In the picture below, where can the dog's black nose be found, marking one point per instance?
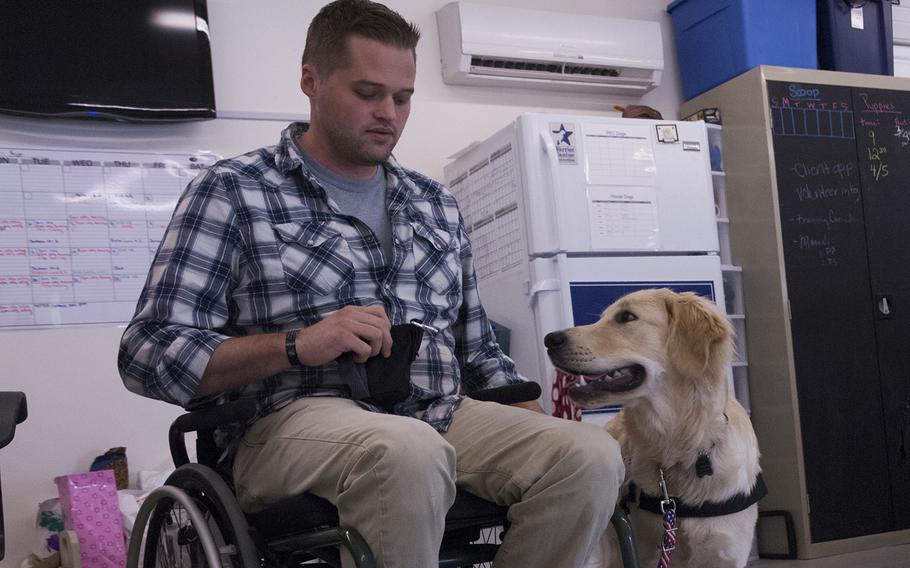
(554, 339)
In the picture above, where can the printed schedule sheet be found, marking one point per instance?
(78, 230)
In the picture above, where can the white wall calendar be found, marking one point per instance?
(78, 230)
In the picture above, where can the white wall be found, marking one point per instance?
(444, 118)
(77, 405)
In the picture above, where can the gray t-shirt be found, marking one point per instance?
(361, 199)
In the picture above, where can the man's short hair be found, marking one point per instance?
(326, 40)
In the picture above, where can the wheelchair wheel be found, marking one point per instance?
(178, 530)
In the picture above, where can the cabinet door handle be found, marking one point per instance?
(884, 306)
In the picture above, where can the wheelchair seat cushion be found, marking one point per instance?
(470, 510)
(307, 512)
(294, 515)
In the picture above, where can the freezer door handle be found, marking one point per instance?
(545, 285)
(549, 218)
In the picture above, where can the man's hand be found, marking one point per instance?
(364, 331)
(530, 405)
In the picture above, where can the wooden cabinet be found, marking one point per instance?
(818, 193)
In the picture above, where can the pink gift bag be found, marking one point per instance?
(90, 508)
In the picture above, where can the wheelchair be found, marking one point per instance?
(194, 519)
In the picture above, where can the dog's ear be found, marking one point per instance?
(700, 337)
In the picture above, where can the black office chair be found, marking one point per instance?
(13, 411)
(194, 520)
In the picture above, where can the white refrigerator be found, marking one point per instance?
(567, 213)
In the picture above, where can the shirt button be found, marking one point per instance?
(369, 239)
(311, 242)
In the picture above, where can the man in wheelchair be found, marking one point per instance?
(279, 279)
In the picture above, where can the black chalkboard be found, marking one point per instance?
(828, 284)
(883, 151)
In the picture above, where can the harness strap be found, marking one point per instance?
(668, 509)
(735, 504)
(668, 543)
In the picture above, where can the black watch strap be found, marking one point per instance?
(290, 347)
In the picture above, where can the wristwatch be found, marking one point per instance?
(290, 347)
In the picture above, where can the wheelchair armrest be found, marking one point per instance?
(212, 417)
(13, 410)
(508, 394)
(207, 419)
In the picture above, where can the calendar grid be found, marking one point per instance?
(628, 159)
(487, 195)
(78, 230)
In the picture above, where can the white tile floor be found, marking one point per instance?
(889, 557)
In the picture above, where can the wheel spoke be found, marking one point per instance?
(179, 544)
(176, 541)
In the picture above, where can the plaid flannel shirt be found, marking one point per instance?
(250, 250)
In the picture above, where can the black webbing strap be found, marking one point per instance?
(735, 504)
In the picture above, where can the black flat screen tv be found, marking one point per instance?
(131, 60)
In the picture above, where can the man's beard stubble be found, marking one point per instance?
(355, 151)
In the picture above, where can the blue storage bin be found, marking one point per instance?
(862, 44)
(717, 40)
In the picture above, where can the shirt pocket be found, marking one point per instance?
(316, 258)
(436, 258)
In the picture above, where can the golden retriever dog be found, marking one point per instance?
(663, 356)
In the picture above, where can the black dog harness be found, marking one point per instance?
(735, 504)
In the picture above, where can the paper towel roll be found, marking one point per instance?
(69, 550)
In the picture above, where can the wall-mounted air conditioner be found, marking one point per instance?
(483, 44)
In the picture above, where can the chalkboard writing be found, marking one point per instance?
(883, 135)
(817, 173)
(811, 110)
(883, 124)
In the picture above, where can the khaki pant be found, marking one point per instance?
(393, 478)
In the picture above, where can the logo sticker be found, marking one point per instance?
(667, 133)
(563, 134)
